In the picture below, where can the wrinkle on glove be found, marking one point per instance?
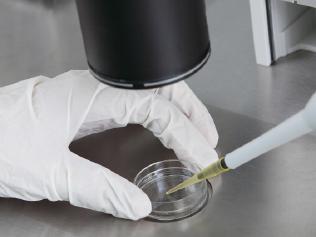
(40, 117)
(186, 101)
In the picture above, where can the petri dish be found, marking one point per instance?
(156, 179)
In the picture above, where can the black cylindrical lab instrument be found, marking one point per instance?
(144, 43)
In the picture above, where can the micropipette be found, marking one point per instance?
(296, 126)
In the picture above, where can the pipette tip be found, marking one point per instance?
(211, 171)
(186, 183)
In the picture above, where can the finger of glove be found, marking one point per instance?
(177, 132)
(157, 114)
(112, 108)
(89, 185)
(183, 97)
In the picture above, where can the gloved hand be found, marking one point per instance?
(40, 117)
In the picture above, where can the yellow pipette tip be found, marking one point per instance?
(184, 184)
(211, 171)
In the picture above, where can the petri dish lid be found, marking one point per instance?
(156, 179)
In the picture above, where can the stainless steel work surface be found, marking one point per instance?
(271, 196)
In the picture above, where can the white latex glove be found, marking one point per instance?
(40, 117)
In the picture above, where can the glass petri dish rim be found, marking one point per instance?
(154, 172)
(205, 183)
(200, 207)
(159, 162)
(184, 198)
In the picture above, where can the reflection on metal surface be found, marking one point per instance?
(37, 40)
(46, 4)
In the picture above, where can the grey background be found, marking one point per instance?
(271, 196)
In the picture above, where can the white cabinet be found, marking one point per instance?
(290, 26)
(310, 3)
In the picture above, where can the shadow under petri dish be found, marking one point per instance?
(156, 179)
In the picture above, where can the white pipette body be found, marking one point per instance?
(296, 126)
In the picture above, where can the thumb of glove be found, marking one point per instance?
(89, 185)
